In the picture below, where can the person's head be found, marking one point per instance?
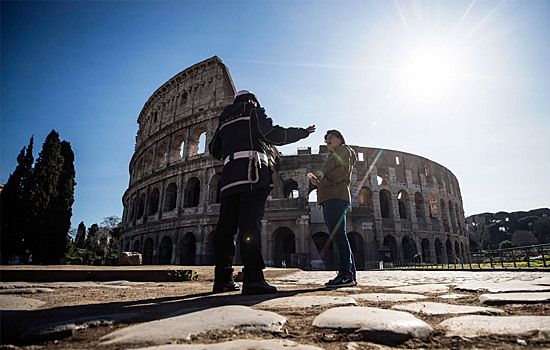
(246, 96)
(334, 139)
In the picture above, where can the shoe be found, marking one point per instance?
(261, 287)
(222, 287)
(341, 281)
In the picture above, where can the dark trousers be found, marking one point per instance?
(242, 212)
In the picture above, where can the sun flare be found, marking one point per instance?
(428, 71)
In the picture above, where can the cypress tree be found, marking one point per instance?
(47, 172)
(61, 204)
(80, 238)
(15, 200)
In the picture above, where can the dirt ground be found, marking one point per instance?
(154, 300)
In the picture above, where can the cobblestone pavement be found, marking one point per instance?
(388, 309)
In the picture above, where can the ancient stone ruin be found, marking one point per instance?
(406, 206)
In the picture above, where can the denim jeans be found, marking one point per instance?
(334, 212)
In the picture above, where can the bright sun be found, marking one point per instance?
(428, 71)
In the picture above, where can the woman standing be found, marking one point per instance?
(333, 194)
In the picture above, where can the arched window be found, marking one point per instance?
(385, 204)
(215, 189)
(162, 153)
(402, 197)
(170, 197)
(153, 206)
(290, 189)
(192, 193)
(419, 205)
(149, 161)
(141, 206)
(195, 146)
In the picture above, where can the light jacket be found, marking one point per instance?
(245, 140)
(335, 176)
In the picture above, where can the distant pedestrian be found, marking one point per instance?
(333, 194)
(245, 140)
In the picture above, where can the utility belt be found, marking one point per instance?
(260, 157)
(255, 160)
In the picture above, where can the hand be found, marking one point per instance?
(314, 180)
(311, 129)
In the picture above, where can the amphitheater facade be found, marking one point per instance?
(403, 204)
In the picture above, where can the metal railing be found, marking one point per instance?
(527, 257)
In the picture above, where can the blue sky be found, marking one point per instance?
(463, 83)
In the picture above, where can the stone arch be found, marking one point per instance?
(419, 205)
(357, 248)
(433, 206)
(165, 251)
(136, 247)
(383, 177)
(389, 246)
(188, 249)
(457, 249)
(409, 248)
(438, 251)
(284, 246)
(195, 146)
(325, 247)
(140, 167)
(170, 197)
(141, 206)
(192, 193)
(385, 204)
(449, 250)
(365, 197)
(148, 252)
(178, 148)
(153, 203)
(402, 198)
(149, 161)
(290, 189)
(426, 251)
(214, 189)
(162, 155)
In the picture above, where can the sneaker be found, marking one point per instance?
(341, 281)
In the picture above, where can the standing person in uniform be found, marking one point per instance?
(245, 140)
(333, 195)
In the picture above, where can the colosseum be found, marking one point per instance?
(404, 205)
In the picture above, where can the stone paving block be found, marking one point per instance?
(502, 287)
(430, 308)
(475, 326)
(243, 344)
(66, 328)
(13, 303)
(306, 301)
(424, 288)
(182, 327)
(453, 296)
(376, 325)
(26, 290)
(514, 298)
(392, 297)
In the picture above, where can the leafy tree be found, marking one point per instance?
(541, 229)
(523, 238)
(505, 244)
(52, 199)
(80, 237)
(15, 203)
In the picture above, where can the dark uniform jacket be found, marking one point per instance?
(244, 141)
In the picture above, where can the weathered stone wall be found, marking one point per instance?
(405, 205)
